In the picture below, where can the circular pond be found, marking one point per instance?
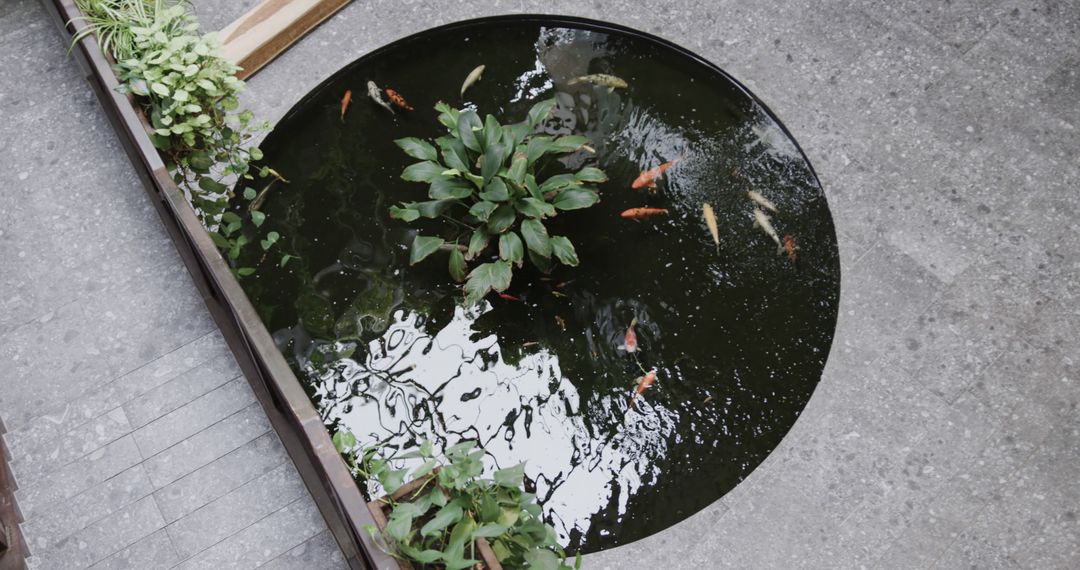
(738, 335)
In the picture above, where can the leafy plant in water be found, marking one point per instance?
(190, 95)
(482, 179)
(437, 525)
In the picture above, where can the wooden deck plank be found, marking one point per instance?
(268, 29)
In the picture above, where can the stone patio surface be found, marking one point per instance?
(945, 432)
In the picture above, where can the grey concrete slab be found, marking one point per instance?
(207, 445)
(318, 553)
(71, 445)
(193, 417)
(179, 391)
(221, 476)
(153, 551)
(103, 538)
(263, 541)
(236, 511)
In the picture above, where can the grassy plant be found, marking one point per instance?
(190, 95)
(482, 179)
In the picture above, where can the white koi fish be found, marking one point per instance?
(762, 219)
(473, 77)
(762, 201)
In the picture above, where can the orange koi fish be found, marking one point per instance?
(398, 100)
(630, 340)
(650, 176)
(790, 247)
(643, 384)
(508, 297)
(642, 213)
(345, 103)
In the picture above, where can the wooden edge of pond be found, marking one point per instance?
(13, 549)
(267, 30)
(284, 400)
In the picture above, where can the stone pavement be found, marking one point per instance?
(945, 432)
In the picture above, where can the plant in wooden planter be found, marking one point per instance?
(452, 517)
(190, 96)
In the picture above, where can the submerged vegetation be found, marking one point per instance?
(483, 183)
(191, 97)
(441, 519)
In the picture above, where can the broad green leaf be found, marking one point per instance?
(446, 516)
(558, 181)
(392, 479)
(230, 218)
(211, 185)
(470, 130)
(591, 174)
(405, 214)
(486, 277)
(245, 271)
(511, 249)
(539, 112)
(501, 219)
(344, 440)
(537, 147)
(258, 218)
(454, 558)
(568, 143)
(454, 153)
(518, 167)
(511, 477)
(422, 247)
(426, 171)
(249, 194)
(425, 468)
(495, 191)
(532, 187)
(448, 116)
(492, 133)
(494, 157)
(536, 237)
(400, 527)
(544, 264)
(433, 208)
(489, 508)
(285, 259)
(575, 199)
(219, 240)
(540, 559)
(462, 532)
(513, 135)
(422, 556)
(417, 148)
(490, 530)
(564, 250)
(443, 188)
(457, 265)
(534, 208)
(482, 210)
(477, 180)
(478, 243)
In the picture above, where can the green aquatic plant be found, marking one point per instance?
(436, 524)
(190, 95)
(482, 182)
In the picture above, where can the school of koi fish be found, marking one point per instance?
(388, 99)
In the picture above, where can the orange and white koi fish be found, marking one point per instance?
(650, 176)
(642, 213)
(630, 340)
(398, 100)
(376, 95)
(345, 103)
(789, 247)
(643, 384)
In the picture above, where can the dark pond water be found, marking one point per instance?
(738, 335)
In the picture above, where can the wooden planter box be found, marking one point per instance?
(380, 510)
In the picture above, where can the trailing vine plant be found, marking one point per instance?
(482, 181)
(436, 526)
(190, 96)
